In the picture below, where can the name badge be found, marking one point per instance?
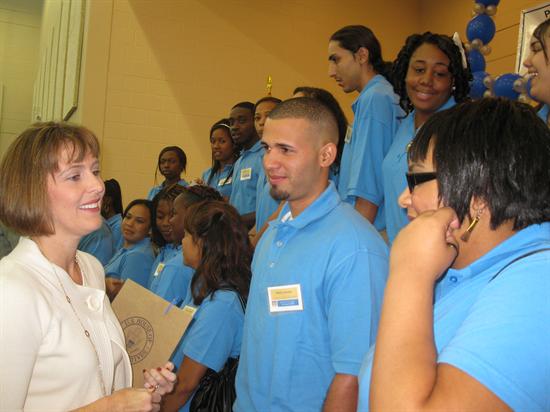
(225, 181)
(287, 298)
(190, 309)
(347, 139)
(158, 269)
(246, 174)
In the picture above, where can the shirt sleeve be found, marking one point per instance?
(21, 335)
(174, 282)
(137, 267)
(214, 332)
(354, 291)
(504, 342)
(372, 138)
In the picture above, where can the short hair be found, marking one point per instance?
(461, 75)
(245, 105)
(310, 109)
(35, 153)
(271, 99)
(226, 252)
(354, 37)
(492, 149)
(539, 33)
(169, 194)
(182, 157)
(329, 100)
(112, 190)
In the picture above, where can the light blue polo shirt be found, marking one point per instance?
(496, 330)
(215, 333)
(156, 189)
(172, 281)
(166, 252)
(543, 113)
(394, 167)
(221, 181)
(265, 204)
(99, 243)
(245, 178)
(133, 263)
(289, 359)
(376, 119)
(114, 223)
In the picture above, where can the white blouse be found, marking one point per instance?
(46, 361)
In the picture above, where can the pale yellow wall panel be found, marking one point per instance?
(502, 65)
(19, 38)
(175, 67)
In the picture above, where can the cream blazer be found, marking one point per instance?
(46, 361)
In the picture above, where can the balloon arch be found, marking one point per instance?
(479, 32)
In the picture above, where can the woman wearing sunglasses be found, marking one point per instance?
(479, 247)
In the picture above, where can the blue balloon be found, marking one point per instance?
(488, 2)
(476, 60)
(481, 27)
(477, 88)
(504, 86)
(528, 88)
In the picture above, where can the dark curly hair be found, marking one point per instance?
(328, 100)
(352, 38)
(226, 252)
(168, 193)
(493, 149)
(461, 76)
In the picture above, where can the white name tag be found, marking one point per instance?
(347, 139)
(158, 269)
(246, 174)
(225, 181)
(190, 309)
(287, 298)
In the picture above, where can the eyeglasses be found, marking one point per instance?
(414, 179)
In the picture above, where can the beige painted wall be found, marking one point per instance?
(19, 36)
(159, 73)
(453, 15)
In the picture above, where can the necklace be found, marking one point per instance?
(86, 333)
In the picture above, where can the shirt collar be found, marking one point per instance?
(372, 82)
(143, 243)
(543, 113)
(321, 206)
(447, 105)
(114, 218)
(255, 148)
(526, 239)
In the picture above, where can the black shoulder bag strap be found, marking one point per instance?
(533, 252)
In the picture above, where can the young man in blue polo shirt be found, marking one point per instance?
(248, 166)
(319, 273)
(355, 62)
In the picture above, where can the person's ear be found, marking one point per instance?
(362, 55)
(327, 154)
